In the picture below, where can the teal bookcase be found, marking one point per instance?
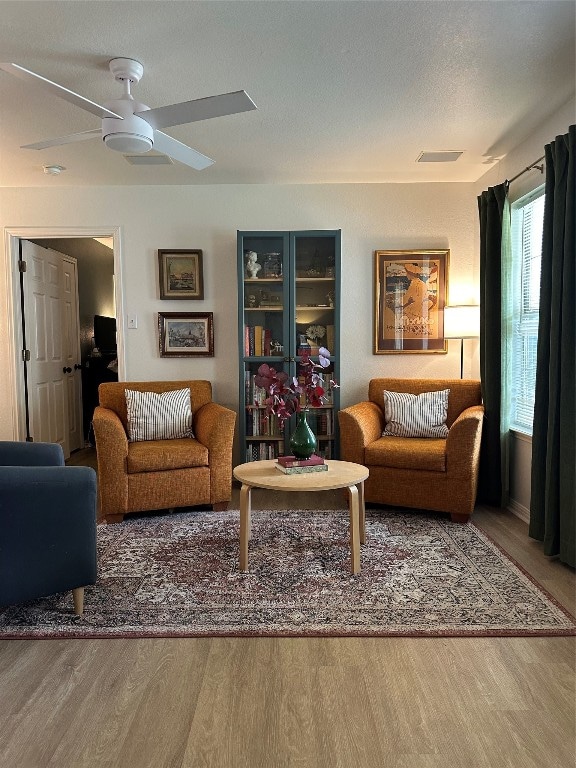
(288, 300)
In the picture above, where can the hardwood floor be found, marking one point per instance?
(85, 457)
(299, 703)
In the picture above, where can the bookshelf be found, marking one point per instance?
(288, 300)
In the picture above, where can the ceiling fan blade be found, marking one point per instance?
(198, 109)
(73, 137)
(181, 152)
(58, 90)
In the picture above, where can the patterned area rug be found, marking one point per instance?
(177, 576)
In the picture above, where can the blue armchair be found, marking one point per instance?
(47, 524)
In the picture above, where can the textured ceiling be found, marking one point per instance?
(346, 91)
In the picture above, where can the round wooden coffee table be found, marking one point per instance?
(340, 474)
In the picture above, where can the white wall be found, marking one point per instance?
(376, 216)
(521, 157)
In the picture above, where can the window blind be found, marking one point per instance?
(527, 230)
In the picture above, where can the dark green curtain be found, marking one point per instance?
(553, 499)
(494, 213)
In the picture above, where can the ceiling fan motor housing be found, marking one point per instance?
(132, 134)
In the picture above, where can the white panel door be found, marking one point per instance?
(71, 347)
(47, 387)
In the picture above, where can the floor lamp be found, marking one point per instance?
(462, 322)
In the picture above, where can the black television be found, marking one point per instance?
(105, 334)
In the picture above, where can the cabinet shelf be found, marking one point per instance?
(264, 438)
(280, 438)
(252, 407)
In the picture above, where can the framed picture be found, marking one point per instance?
(272, 265)
(180, 274)
(186, 334)
(410, 294)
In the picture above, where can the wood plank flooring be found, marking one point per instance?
(295, 702)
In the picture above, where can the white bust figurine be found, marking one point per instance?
(252, 266)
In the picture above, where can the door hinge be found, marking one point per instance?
(21, 266)
(26, 355)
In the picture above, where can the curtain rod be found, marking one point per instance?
(528, 168)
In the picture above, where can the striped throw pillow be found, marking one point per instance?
(421, 415)
(159, 416)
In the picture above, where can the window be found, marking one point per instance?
(527, 228)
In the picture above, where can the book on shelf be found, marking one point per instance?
(267, 341)
(302, 470)
(330, 338)
(292, 461)
(257, 341)
(254, 396)
(258, 347)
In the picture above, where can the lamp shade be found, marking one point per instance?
(461, 321)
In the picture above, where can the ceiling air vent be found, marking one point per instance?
(148, 159)
(442, 156)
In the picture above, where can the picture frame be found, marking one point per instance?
(272, 265)
(180, 274)
(186, 334)
(410, 293)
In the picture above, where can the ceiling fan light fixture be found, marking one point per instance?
(128, 143)
(132, 135)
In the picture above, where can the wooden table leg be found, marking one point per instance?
(354, 528)
(245, 494)
(362, 512)
(78, 597)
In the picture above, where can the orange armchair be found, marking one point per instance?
(438, 474)
(162, 474)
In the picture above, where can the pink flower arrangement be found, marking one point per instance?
(286, 396)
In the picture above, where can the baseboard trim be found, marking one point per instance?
(519, 510)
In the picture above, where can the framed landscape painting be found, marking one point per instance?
(186, 334)
(409, 298)
(180, 274)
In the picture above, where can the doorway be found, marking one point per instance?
(51, 359)
(92, 354)
(82, 246)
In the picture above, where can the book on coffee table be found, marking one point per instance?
(302, 470)
(292, 461)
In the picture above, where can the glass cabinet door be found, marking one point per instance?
(264, 300)
(315, 292)
(316, 257)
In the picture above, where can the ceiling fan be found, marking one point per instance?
(131, 127)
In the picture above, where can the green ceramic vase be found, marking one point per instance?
(303, 441)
